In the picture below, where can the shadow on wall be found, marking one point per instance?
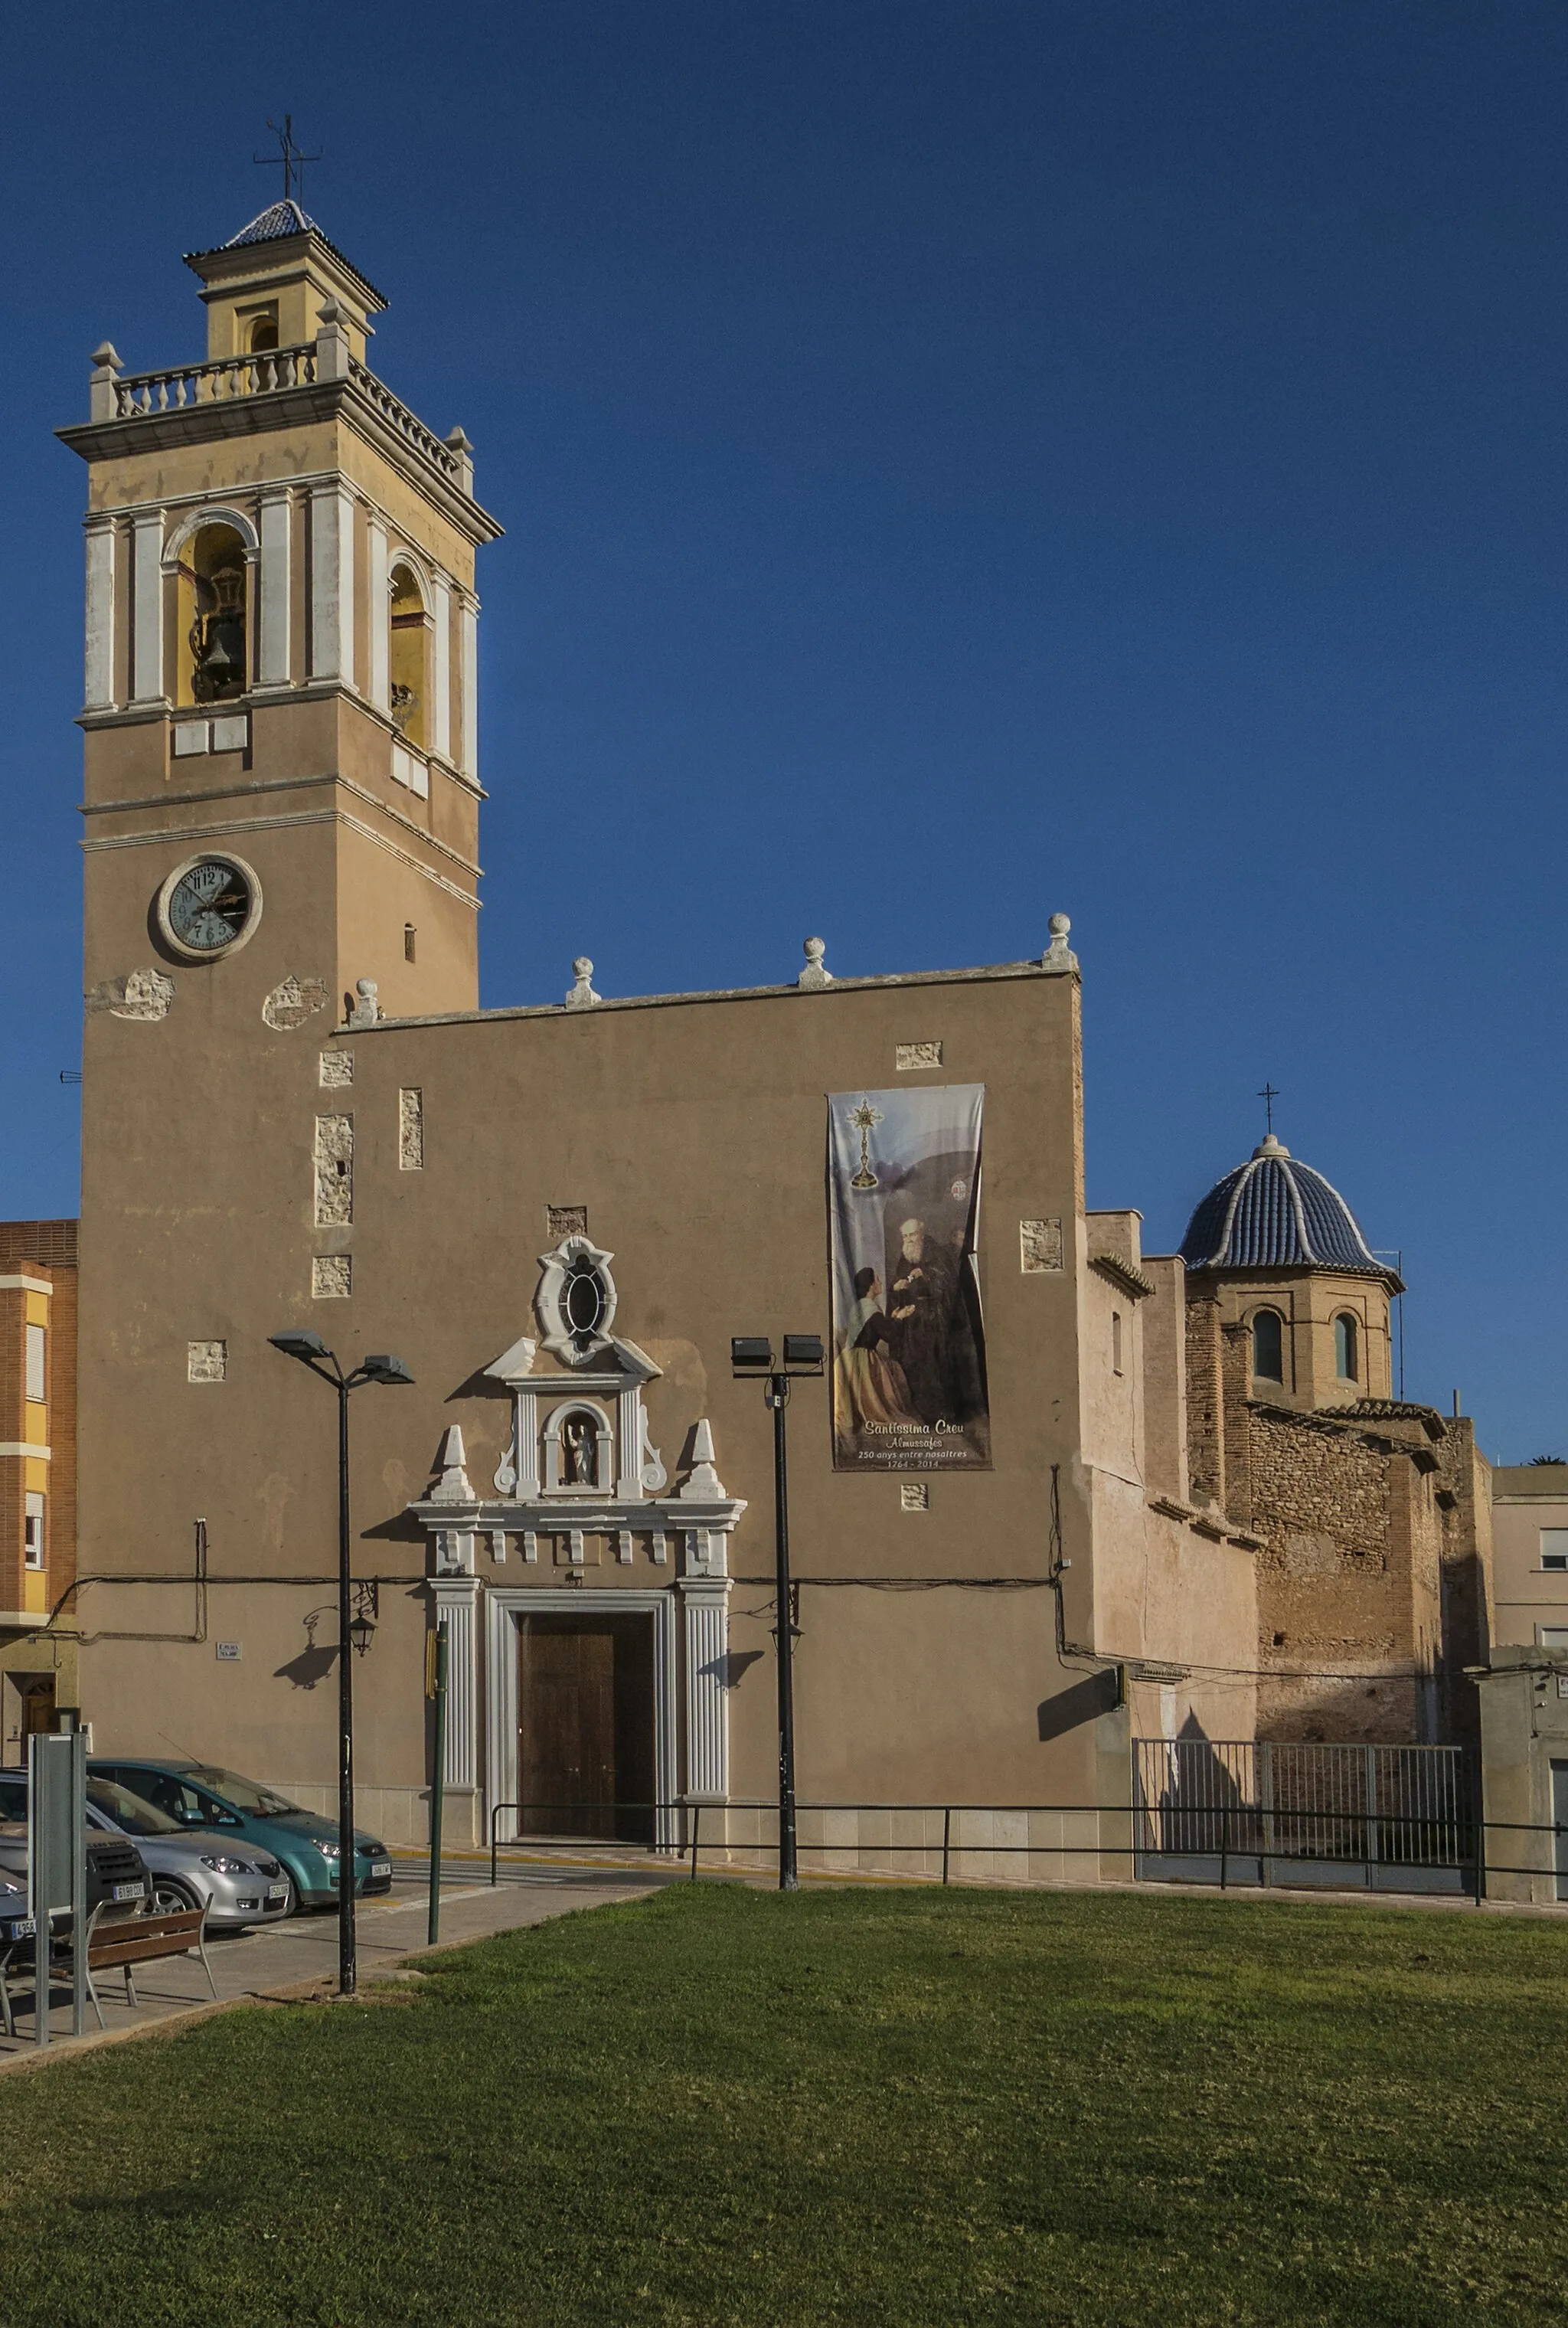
(315, 1661)
(1095, 1695)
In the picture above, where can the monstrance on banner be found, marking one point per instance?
(909, 1388)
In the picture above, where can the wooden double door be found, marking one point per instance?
(585, 1725)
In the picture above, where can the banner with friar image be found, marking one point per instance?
(909, 1388)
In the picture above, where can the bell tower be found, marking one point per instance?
(281, 656)
(281, 808)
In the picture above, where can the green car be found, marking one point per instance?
(200, 1794)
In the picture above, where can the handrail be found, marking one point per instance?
(140, 395)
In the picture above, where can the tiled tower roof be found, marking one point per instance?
(271, 225)
(1274, 1213)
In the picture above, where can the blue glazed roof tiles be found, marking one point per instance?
(1274, 1213)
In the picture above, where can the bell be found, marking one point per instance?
(218, 640)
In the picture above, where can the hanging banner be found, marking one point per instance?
(909, 1390)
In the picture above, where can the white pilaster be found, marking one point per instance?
(707, 1612)
(469, 762)
(100, 616)
(527, 1446)
(332, 584)
(441, 669)
(456, 1601)
(629, 1485)
(274, 630)
(381, 613)
(147, 604)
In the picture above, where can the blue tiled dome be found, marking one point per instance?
(1274, 1213)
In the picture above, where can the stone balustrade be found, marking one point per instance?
(137, 394)
(414, 432)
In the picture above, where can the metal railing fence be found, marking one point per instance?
(1223, 1844)
(1402, 1816)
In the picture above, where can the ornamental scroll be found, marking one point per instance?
(909, 1382)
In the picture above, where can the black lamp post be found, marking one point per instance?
(313, 1352)
(751, 1359)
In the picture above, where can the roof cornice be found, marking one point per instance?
(301, 407)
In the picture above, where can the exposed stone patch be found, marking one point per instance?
(292, 1001)
(139, 994)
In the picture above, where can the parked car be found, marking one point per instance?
(203, 1795)
(117, 1874)
(193, 1867)
(189, 1868)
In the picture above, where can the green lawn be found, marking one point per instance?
(866, 2106)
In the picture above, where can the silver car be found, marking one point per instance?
(190, 1867)
(193, 1867)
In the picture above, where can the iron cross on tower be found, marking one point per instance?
(291, 157)
(1269, 1095)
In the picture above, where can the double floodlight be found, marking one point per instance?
(313, 1352)
(753, 1353)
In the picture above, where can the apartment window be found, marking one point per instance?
(1554, 1547)
(1269, 1346)
(33, 1533)
(1345, 1346)
(35, 1375)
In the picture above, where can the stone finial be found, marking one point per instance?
(581, 996)
(101, 393)
(368, 1009)
(452, 1486)
(1058, 956)
(703, 1485)
(457, 442)
(814, 974)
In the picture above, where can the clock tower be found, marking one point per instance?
(281, 807)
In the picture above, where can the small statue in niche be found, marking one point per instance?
(218, 635)
(405, 704)
(579, 1452)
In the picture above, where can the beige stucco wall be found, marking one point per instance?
(1524, 1707)
(1531, 1602)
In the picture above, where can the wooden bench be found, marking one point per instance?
(139, 1939)
(120, 1944)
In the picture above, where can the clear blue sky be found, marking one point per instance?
(958, 462)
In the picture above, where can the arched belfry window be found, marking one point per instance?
(213, 582)
(263, 335)
(408, 655)
(1346, 1358)
(1269, 1346)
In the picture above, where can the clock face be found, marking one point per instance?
(209, 906)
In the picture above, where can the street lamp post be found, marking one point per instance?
(313, 1352)
(751, 1359)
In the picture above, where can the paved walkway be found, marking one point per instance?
(300, 1957)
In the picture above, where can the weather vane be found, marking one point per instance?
(291, 157)
(1269, 1095)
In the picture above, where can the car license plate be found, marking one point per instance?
(23, 1928)
(278, 1891)
(381, 1867)
(127, 1891)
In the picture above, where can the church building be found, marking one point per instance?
(1051, 1494)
